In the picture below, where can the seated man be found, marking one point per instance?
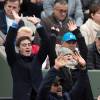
(58, 19)
(74, 10)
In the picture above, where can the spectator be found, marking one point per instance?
(25, 67)
(74, 10)
(32, 7)
(93, 58)
(92, 25)
(57, 19)
(71, 40)
(7, 18)
(50, 87)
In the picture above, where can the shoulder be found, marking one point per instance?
(2, 15)
(2, 12)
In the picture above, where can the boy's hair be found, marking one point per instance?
(93, 9)
(19, 40)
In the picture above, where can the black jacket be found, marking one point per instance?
(44, 91)
(93, 58)
(26, 71)
(74, 94)
(3, 23)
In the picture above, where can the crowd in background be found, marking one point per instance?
(62, 36)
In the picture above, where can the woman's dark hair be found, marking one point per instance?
(19, 40)
(93, 9)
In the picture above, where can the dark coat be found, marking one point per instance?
(74, 93)
(52, 21)
(3, 23)
(44, 91)
(30, 9)
(93, 58)
(26, 71)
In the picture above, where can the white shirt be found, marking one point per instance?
(9, 22)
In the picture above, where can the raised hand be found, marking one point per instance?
(71, 25)
(34, 20)
(79, 59)
(60, 62)
(16, 16)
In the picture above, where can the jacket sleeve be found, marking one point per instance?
(81, 43)
(44, 47)
(10, 45)
(52, 53)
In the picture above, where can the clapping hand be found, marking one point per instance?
(34, 20)
(71, 25)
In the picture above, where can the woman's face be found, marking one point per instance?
(96, 17)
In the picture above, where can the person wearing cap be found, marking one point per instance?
(93, 58)
(71, 40)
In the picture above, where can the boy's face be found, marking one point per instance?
(70, 44)
(56, 88)
(25, 48)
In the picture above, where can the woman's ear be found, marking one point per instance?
(92, 15)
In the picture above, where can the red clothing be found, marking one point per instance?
(35, 48)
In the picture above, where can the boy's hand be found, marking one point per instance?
(60, 62)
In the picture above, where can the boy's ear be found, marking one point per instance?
(17, 49)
